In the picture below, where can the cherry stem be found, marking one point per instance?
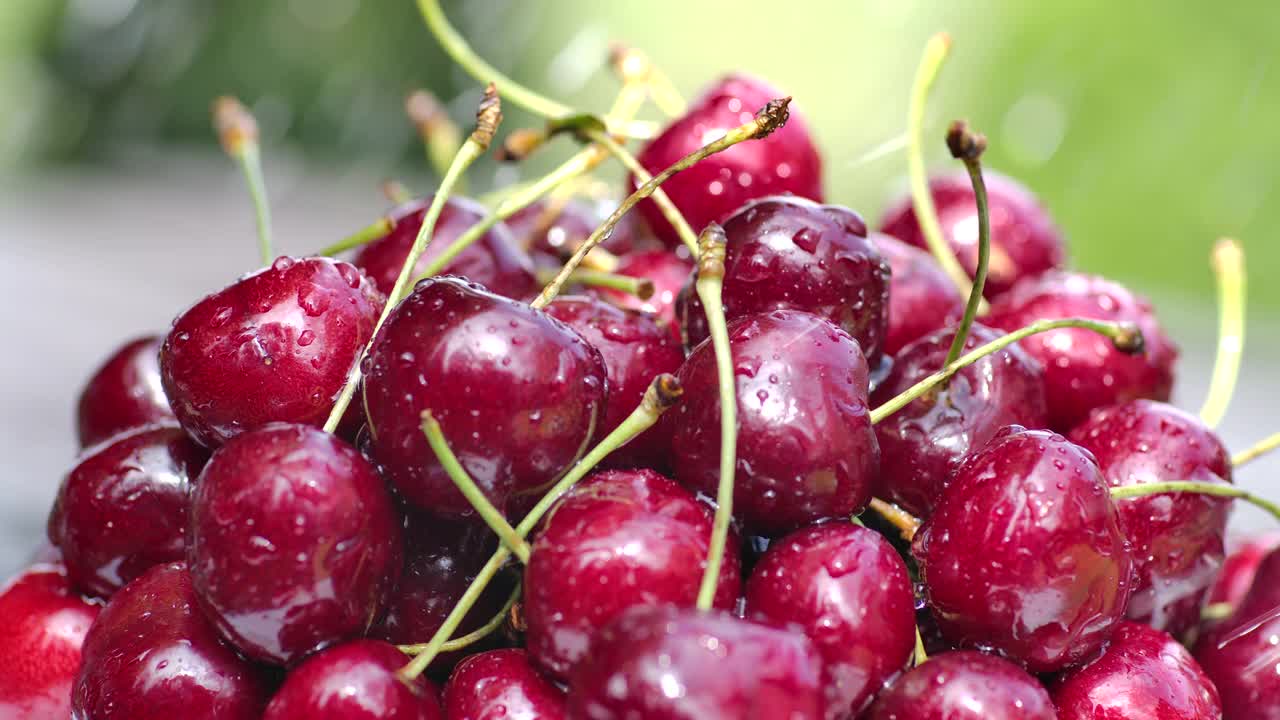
(919, 656)
(968, 146)
(1125, 336)
(396, 192)
(1228, 268)
(1216, 611)
(1262, 447)
(441, 137)
(1200, 488)
(769, 118)
(639, 287)
(663, 393)
(488, 117)
(459, 643)
(238, 132)
(374, 230)
(906, 523)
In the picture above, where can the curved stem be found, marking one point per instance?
(238, 132)
(1262, 447)
(641, 288)
(1228, 268)
(669, 210)
(1201, 488)
(968, 147)
(464, 641)
(906, 523)
(365, 235)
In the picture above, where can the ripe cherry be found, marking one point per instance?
(354, 681)
(667, 270)
(501, 685)
(1240, 568)
(550, 238)
(964, 685)
(1241, 655)
(124, 393)
(922, 298)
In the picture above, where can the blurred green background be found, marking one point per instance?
(1148, 128)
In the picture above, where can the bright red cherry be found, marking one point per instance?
(1025, 242)
(1083, 370)
(501, 685)
(849, 591)
(293, 543)
(921, 296)
(517, 393)
(1241, 655)
(667, 270)
(620, 539)
(354, 681)
(276, 345)
(1024, 555)
(1240, 568)
(805, 450)
(551, 237)
(125, 392)
(964, 685)
(667, 663)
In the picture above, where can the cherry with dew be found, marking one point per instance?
(499, 685)
(922, 298)
(125, 392)
(964, 685)
(354, 681)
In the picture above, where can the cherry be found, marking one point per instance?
(619, 539)
(667, 270)
(660, 663)
(1144, 673)
(849, 590)
(1177, 538)
(791, 253)
(1023, 553)
(354, 681)
(42, 626)
(123, 508)
(124, 393)
(964, 685)
(1239, 655)
(276, 345)
(293, 543)
(517, 393)
(805, 449)
(151, 654)
(921, 296)
(1240, 568)
(550, 240)
(494, 259)
(1025, 242)
(500, 685)
(923, 444)
(1084, 370)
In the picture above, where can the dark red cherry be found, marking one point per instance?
(276, 345)
(923, 444)
(293, 543)
(667, 270)
(1144, 674)
(1240, 568)
(785, 162)
(551, 236)
(517, 393)
(1023, 554)
(964, 685)
(125, 392)
(123, 508)
(43, 622)
(494, 260)
(501, 685)
(849, 591)
(635, 350)
(921, 296)
(620, 539)
(354, 681)
(1177, 538)
(152, 655)
(787, 253)
(1083, 370)
(805, 450)
(1241, 655)
(667, 663)
(1025, 242)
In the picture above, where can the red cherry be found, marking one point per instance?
(667, 270)
(1240, 568)
(964, 685)
(354, 681)
(124, 393)
(501, 685)
(922, 298)
(551, 242)
(1240, 654)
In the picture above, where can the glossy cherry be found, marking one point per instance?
(1083, 370)
(922, 298)
(1241, 566)
(517, 393)
(836, 582)
(550, 238)
(354, 681)
(501, 685)
(276, 345)
(805, 450)
(667, 270)
(125, 392)
(964, 685)
(1024, 554)
(293, 543)
(123, 508)
(1241, 655)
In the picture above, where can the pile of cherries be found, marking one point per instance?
(217, 554)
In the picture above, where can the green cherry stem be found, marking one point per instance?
(464, 641)
(967, 146)
(365, 235)
(1201, 488)
(919, 656)
(641, 288)
(1228, 268)
(1262, 447)
(238, 132)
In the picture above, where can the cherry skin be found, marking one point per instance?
(293, 542)
(1177, 538)
(1025, 242)
(551, 238)
(786, 162)
(1083, 370)
(621, 538)
(124, 393)
(152, 655)
(123, 508)
(806, 450)
(921, 296)
(1240, 654)
(501, 685)
(1024, 555)
(1240, 568)
(849, 590)
(791, 253)
(276, 345)
(667, 270)
(493, 260)
(964, 685)
(43, 622)
(667, 663)
(354, 681)
(517, 393)
(1144, 673)
(923, 444)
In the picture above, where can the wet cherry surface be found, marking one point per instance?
(964, 685)
(921, 296)
(501, 685)
(667, 270)
(293, 543)
(124, 392)
(550, 234)
(354, 681)
(1241, 655)
(1241, 566)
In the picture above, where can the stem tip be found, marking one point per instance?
(772, 116)
(664, 391)
(964, 142)
(488, 117)
(519, 143)
(424, 110)
(234, 124)
(711, 251)
(1128, 339)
